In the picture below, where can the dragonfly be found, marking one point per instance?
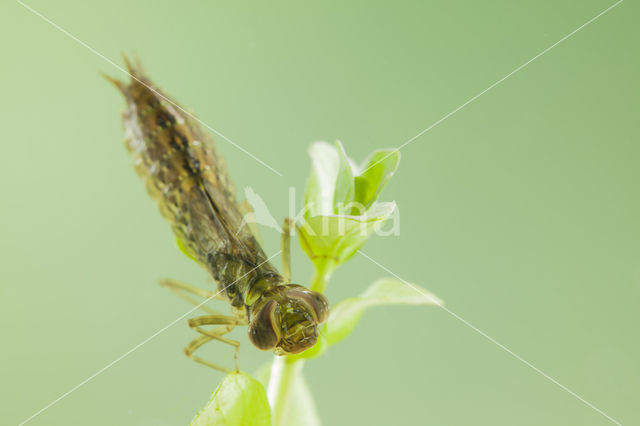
(185, 174)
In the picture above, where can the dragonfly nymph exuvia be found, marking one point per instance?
(185, 174)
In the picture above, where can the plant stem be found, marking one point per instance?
(324, 269)
(283, 374)
(285, 369)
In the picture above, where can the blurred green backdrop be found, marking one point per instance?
(520, 211)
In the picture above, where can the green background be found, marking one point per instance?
(520, 211)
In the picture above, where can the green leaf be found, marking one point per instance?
(344, 185)
(346, 314)
(302, 409)
(320, 193)
(376, 172)
(238, 400)
(341, 211)
(339, 236)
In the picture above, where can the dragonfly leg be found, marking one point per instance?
(224, 325)
(286, 249)
(184, 290)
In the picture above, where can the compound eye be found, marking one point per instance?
(262, 331)
(314, 300)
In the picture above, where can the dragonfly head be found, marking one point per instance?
(287, 320)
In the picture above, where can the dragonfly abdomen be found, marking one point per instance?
(172, 157)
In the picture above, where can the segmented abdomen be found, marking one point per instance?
(184, 173)
(173, 158)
